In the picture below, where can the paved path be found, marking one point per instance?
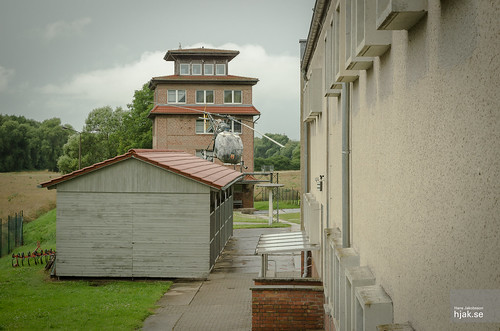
(223, 301)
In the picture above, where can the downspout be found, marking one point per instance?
(306, 184)
(346, 231)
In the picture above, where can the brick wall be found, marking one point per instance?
(287, 307)
(329, 325)
(288, 281)
(161, 92)
(179, 132)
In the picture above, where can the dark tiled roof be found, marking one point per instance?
(197, 109)
(179, 162)
(188, 52)
(214, 79)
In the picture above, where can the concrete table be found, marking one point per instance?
(270, 187)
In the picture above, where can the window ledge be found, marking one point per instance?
(399, 14)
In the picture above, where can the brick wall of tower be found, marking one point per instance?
(179, 132)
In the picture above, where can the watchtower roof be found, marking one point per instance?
(175, 54)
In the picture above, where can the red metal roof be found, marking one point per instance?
(179, 162)
(215, 109)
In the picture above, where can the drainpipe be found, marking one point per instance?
(306, 184)
(346, 231)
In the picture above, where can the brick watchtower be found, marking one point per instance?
(201, 81)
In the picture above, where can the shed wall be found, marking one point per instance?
(133, 175)
(110, 226)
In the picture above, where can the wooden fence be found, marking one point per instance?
(11, 233)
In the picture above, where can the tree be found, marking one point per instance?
(137, 127)
(108, 133)
(98, 141)
(52, 138)
(27, 144)
(281, 158)
(265, 148)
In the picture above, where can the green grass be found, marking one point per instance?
(253, 222)
(292, 217)
(42, 230)
(259, 225)
(31, 300)
(264, 205)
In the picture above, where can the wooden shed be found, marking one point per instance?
(146, 213)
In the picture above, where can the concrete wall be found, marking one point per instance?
(425, 160)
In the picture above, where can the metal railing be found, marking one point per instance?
(285, 194)
(11, 233)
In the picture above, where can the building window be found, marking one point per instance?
(204, 96)
(196, 68)
(232, 96)
(233, 125)
(204, 126)
(236, 127)
(209, 68)
(184, 69)
(176, 96)
(220, 69)
(205, 154)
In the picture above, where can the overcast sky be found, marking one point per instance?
(61, 58)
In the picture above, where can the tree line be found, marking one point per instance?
(267, 153)
(30, 145)
(27, 144)
(110, 132)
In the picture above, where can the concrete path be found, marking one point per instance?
(223, 301)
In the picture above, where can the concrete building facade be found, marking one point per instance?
(400, 133)
(201, 83)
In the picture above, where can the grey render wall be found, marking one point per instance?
(132, 219)
(425, 161)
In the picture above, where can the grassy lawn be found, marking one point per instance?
(292, 217)
(31, 300)
(264, 205)
(253, 222)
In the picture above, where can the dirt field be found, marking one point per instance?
(291, 179)
(19, 191)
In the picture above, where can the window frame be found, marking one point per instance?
(176, 96)
(220, 65)
(184, 65)
(205, 97)
(207, 126)
(233, 97)
(197, 65)
(205, 65)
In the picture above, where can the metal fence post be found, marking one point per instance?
(9, 227)
(1, 238)
(21, 236)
